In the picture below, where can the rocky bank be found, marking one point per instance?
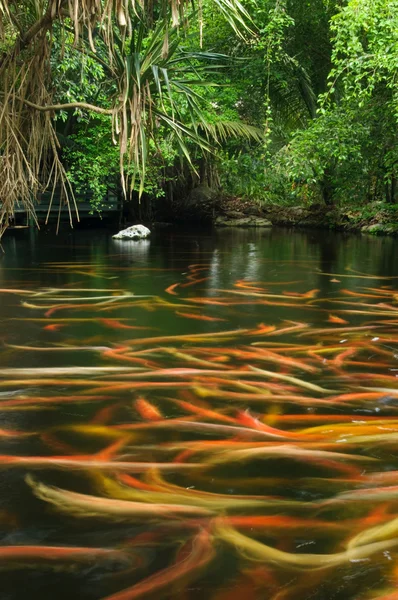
(376, 218)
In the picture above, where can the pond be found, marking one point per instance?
(199, 416)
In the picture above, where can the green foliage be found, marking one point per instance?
(63, 62)
(243, 174)
(282, 101)
(332, 142)
(347, 151)
(365, 49)
(167, 83)
(93, 164)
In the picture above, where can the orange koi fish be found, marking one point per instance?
(53, 327)
(340, 358)
(184, 285)
(354, 396)
(146, 410)
(110, 451)
(358, 294)
(211, 301)
(201, 427)
(335, 319)
(294, 327)
(262, 329)
(204, 412)
(245, 418)
(389, 596)
(201, 554)
(381, 291)
(382, 477)
(310, 294)
(278, 522)
(119, 354)
(198, 317)
(310, 418)
(105, 414)
(171, 288)
(260, 397)
(246, 285)
(115, 324)
(284, 360)
(9, 433)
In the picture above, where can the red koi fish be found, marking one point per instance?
(115, 324)
(146, 410)
(56, 445)
(136, 483)
(54, 309)
(105, 414)
(184, 285)
(53, 327)
(278, 522)
(198, 317)
(110, 451)
(201, 554)
(245, 418)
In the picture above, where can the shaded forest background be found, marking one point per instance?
(285, 102)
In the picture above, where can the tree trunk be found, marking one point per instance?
(327, 188)
(393, 193)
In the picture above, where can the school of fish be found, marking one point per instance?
(270, 448)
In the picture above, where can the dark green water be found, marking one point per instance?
(208, 269)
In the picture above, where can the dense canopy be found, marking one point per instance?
(281, 101)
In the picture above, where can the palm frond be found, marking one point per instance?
(154, 77)
(220, 131)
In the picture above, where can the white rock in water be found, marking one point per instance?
(135, 232)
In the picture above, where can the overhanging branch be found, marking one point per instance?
(69, 106)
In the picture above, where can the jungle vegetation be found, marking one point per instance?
(280, 101)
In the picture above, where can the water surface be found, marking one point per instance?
(254, 370)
